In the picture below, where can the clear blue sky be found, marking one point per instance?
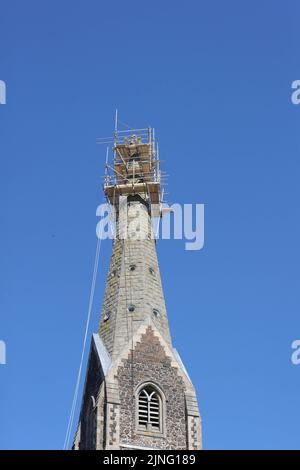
(213, 78)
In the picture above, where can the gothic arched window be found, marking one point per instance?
(149, 409)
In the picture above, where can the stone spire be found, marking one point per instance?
(133, 289)
(137, 392)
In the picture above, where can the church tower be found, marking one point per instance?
(137, 393)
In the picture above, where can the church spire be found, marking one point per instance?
(133, 290)
(137, 391)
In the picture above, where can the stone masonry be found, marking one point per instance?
(133, 352)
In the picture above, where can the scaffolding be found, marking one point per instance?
(132, 167)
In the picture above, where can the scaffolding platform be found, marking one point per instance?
(134, 168)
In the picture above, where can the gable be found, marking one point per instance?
(154, 350)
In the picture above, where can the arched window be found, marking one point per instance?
(149, 409)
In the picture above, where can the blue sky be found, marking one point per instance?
(214, 79)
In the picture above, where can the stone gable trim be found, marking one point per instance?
(168, 351)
